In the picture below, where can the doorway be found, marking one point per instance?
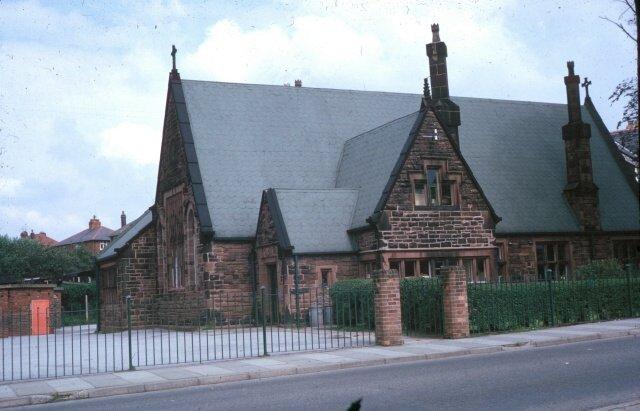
(39, 311)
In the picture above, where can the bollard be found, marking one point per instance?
(264, 321)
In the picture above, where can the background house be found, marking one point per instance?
(94, 239)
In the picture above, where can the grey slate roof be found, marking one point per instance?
(251, 137)
(99, 234)
(127, 233)
(317, 220)
(367, 162)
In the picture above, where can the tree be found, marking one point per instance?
(627, 89)
(22, 258)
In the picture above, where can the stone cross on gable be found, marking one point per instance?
(173, 56)
(586, 83)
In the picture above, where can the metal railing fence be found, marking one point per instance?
(239, 325)
(507, 306)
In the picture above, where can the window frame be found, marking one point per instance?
(556, 263)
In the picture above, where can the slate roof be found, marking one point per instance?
(250, 137)
(367, 162)
(127, 233)
(317, 220)
(101, 233)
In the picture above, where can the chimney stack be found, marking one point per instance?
(298, 83)
(123, 219)
(581, 192)
(94, 223)
(448, 112)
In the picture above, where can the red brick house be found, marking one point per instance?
(94, 239)
(269, 185)
(40, 237)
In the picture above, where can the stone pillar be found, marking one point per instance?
(454, 301)
(386, 302)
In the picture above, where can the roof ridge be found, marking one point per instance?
(347, 90)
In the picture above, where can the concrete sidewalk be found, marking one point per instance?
(185, 375)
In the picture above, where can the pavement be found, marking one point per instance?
(149, 379)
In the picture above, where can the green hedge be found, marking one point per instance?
(353, 304)
(513, 306)
(604, 295)
(73, 296)
(420, 299)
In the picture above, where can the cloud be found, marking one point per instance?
(132, 142)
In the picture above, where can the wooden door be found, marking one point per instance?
(39, 311)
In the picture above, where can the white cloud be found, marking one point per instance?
(133, 142)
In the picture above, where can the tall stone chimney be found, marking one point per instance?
(447, 110)
(581, 192)
(94, 223)
(123, 219)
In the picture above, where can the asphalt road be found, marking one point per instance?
(574, 376)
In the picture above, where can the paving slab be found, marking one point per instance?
(69, 384)
(32, 388)
(267, 363)
(174, 373)
(140, 377)
(327, 358)
(6, 392)
(207, 369)
(105, 380)
(445, 347)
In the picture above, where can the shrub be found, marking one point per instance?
(353, 303)
(421, 302)
(73, 296)
(600, 269)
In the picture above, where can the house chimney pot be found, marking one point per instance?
(94, 223)
(123, 219)
(24, 234)
(298, 83)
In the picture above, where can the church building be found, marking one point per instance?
(292, 186)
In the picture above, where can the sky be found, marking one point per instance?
(83, 83)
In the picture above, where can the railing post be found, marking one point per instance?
(552, 311)
(629, 302)
(296, 282)
(264, 321)
(129, 331)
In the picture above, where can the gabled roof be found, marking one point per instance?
(368, 160)
(250, 137)
(98, 234)
(126, 235)
(313, 221)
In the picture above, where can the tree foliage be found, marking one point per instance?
(627, 89)
(25, 258)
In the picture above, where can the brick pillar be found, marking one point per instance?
(454, 300)
(386, 302)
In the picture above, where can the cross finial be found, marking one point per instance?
(435, 32)
(586, 83)
(173, 56)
